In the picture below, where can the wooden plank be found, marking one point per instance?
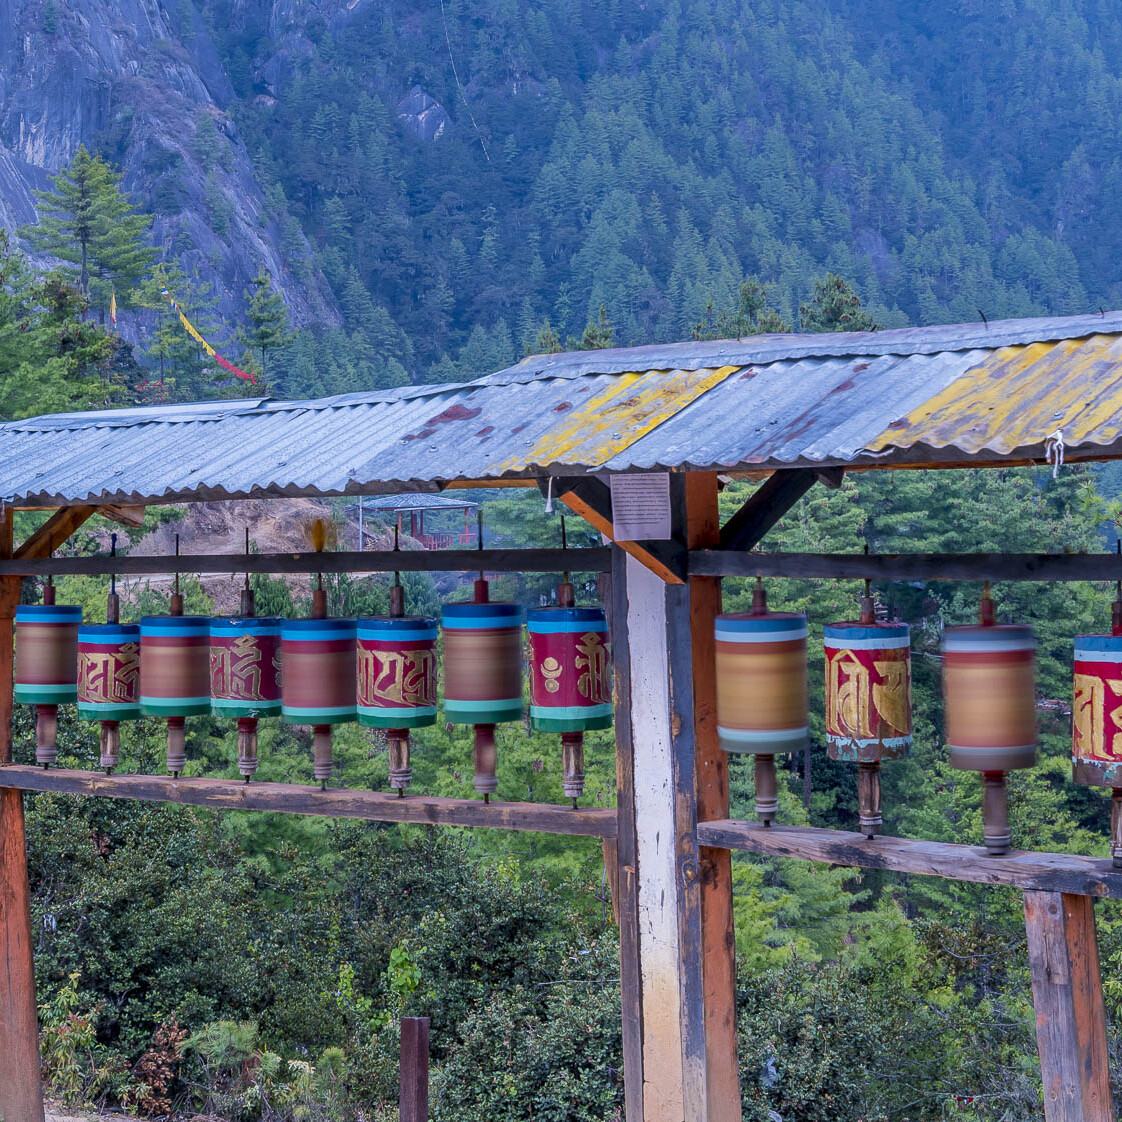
(131, 516)
(291, 798)
(909, 566)
(407, 560)
(625, 888)
(54, 532)
(1070, 1015)
(413, 1096)
(592, 500)
(747, 527)
(20, 1092)
(1026, 869)
(714, 866)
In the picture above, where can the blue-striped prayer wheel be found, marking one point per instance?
(1096, 725)
(868, 702)
(109, 681)
(483, 676)
(570, 681)
(397, 673)
(990, 712)
(245, 678)
(762, 692)
(46, 670)
(318, 683)
(175, 676)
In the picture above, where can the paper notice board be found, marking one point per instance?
(640, 506)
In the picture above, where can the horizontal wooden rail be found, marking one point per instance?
(1048, 872)
(593, 560)
(288, 798)
(908, 566)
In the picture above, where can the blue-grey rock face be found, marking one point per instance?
(119, 74)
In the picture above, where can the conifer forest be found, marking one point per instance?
(338, 197)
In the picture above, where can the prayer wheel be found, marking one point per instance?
(318, 684)
(397, 671)
(109, 681)
(1096, 727)
(483, 674)
(245, 678)
(868, 702)
(46, 671)
(990, 711)
(762, 691)
(570, 683)
(175, 676)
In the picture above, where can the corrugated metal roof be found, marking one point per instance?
(417, 500)
(955, 394)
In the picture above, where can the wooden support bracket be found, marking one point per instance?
(592, 500)
(54, 532)
(748, 526)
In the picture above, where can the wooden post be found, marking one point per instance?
(625, 883)
(1070, 1015)
(413, 1098)
(21, 1098)
(718, 938)
(683, 905)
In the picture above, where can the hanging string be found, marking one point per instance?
(1054, 451)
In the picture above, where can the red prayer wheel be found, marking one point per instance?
(570, 681)
(46, 670)
(109, 681)
(868, 702)
(245, 677)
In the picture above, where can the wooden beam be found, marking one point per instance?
(625, 885)
(1070, 1015)
(291, 798)
(20, 1092)
(748, 526)
(1025, 869)
(592, 500)
(909, 566)
(407, 560)
(131, 516)
(413, 1076)
(714, 866)
(54, 532)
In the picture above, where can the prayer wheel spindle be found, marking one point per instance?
(46, 674)
(483, 673)
(762, 690)
(109, 674)
(990, 709)
(868, 701)
(245, 673)
(397, 670)
(1096, 727)
(570, 686)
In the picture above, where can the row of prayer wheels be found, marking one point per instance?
(380, 672)
(989, 699)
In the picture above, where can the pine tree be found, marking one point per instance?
(268, 318)
(751, 316)
(89, 221)
(834, 307)
(547, 341)
(597, 335)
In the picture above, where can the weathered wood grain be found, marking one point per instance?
(908, 566)
(290, 798)
(413, 1084)
(20, 1092)
(1047, 872)
(371, 561)
(714, 866)
(1070, 1015)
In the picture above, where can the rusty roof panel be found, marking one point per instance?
(969, 393)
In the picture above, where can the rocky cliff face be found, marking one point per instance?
(143, 80)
